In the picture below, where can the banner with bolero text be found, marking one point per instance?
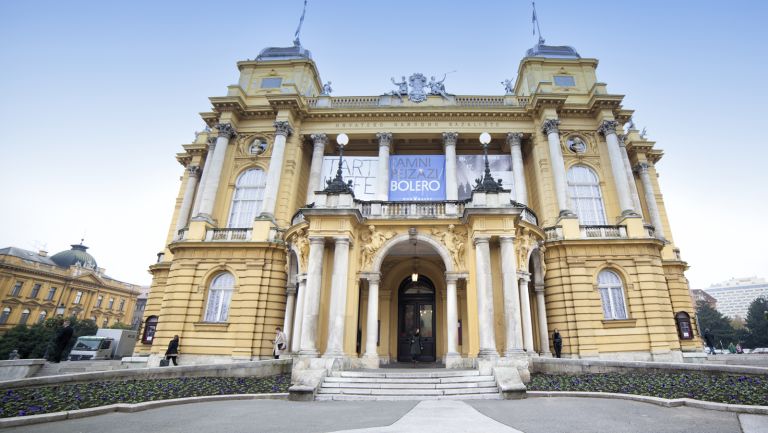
(417, 177)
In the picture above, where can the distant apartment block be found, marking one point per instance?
(734, 296)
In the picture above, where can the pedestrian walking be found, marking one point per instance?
(415, 346)
(172, 353)
(280, 342)
(557, 341)
(63, 336)
(709, 339)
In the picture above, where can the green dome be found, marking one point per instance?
(77, 256)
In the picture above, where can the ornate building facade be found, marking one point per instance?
(35, 287)
(554, 221)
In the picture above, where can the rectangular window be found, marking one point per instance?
(271, 83)
(122, 305)
(16, 288)
(35, 291)
(111, 303)
(99, 300)
(24, 317)
(51, 294)
(4, 315)
(564, 81)
(41, 317)
(78, 297)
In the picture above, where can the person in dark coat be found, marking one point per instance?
(415, 346)
(63, 336)
(710, 340)
(173, 350)
(557, 341)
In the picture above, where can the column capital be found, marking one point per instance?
(371, 277)
(482, 239)
(642, 167)
(193, 170)
(283, 128)
(450, 138)
(622, 138)
(385, 138)
(608, 127)
(539, 287)
(514, 138)
(525, 276)
(319, 139)
(507, 238)
(451, 277)
(551, 126)
(226, 130)
(211, 143)
(317, 240)
(341, 240)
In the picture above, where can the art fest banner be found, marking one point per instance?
(361, 170)
(471, 167)
(417, 177)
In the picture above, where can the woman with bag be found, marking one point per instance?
(173, 351)
(280, 342)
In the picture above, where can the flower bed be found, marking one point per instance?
(32, 401)
(721, 388)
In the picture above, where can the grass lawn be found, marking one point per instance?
(721, 388)
(32, 401)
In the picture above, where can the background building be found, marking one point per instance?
(34, 287)
(734, 296)
(411, 228)
(702, 296)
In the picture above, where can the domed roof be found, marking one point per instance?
(284, 53)
(552, 51)
(77, 256)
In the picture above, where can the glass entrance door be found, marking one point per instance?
(416, 310)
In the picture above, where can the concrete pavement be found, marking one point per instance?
(532, 415)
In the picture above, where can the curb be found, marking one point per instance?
(676, 402)
(130, 408)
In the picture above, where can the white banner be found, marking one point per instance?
(361, 170)
(471, 167)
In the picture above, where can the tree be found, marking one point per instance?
(718, 325)
(757, 323)
(120, 325)
(36, 341)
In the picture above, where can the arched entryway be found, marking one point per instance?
(416, 310)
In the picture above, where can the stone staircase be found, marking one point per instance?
(403, 384)
(67, 367)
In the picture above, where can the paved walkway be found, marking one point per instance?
(532, 415)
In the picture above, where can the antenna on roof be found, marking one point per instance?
(296, 41)
(535, 22)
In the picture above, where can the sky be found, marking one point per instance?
(98, 97)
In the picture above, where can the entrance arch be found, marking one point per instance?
(416, 310)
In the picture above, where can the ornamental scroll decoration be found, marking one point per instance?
(454, 240)
(371, 242)
(526, 242)
(300, 241)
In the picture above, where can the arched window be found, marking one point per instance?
(4, 315)
(42, 316)
(219, 295)
(150, 327)
(586, 199)
(683, 321)
(612, 295)
(246, 201)
(24, 317)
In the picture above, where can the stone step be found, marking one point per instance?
(403, 374)
(457, 379)
(406, 385)
(401, 391)
(346, 397)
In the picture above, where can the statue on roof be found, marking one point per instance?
(508, 86)
(326, 89)
(437, 87)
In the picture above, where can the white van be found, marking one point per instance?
(106, 344)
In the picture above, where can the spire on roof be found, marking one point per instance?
(296, 40)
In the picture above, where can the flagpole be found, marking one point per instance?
(536, 21)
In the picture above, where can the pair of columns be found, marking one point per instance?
(517, 307)
(382, 177)
(304, 331)
(619, 163)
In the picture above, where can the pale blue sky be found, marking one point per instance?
(97, 98)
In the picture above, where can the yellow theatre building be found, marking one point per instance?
(484, 221)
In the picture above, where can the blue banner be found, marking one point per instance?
(417, 177)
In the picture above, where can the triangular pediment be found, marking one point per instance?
(90, 278)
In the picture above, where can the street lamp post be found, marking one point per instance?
(487, 183)
(337, 184)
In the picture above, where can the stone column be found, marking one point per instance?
(316, 168)
(630, 176)
(452, 317)
(290, 299)
(206, 169)
(335, 344)
(608, 128)
(193, 172)
(299, 313)
(650, 198)
(541, 308)
(525, 307)
(518, 171)
(382, 177)
(226, 132)
(372, 323)
(550, 127)
(312, 298)
(514, 332)
(485, 298)
(282, 131)
(451, 183)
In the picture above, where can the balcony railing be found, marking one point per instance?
(387, 101)
(603, 231)
(527, 215)
(411, 209)
(232, 235)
